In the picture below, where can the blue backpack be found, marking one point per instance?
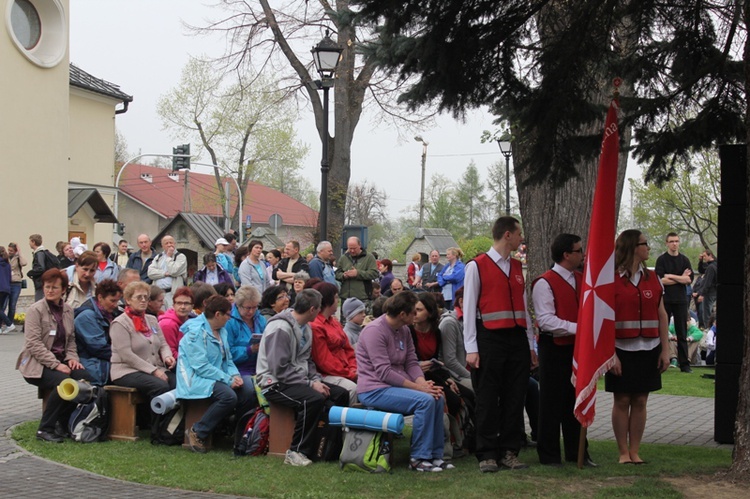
(90, 421)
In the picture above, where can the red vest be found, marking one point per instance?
(566, 300)
(637, 307)
(501, 304)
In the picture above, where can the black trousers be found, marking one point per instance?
(309, 407)
(148, 384)
(679, 311)
(500, 385)
(57, 409)
(556, 401)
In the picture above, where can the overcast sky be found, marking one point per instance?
(142, 45)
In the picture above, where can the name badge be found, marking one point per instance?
(52, 332)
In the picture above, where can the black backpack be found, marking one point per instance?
(168, 428)
(89, 422)
(50, 260)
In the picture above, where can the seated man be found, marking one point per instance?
(287, 375)
(694, 337)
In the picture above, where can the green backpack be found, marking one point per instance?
(367, 451)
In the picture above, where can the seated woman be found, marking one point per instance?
(155, 301)
(244, 331)
(453, 351)
(212, 273)
(81, 279)
(172, 320)
(331, 351)
(225, 290)
(275, 299)
(106, 268)
(206, 370)
(300, 279)
(201, 292)
(141, 357)
(92, 322)
(49, 353)
(389, 379)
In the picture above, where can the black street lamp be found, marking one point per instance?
(419, 138)
(326, 56)
(506, 149)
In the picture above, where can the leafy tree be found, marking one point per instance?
(440, 209)
(496, 188)
(247, 132)
(475, 246)
(471, 203)
(688, 204)
(365, 204)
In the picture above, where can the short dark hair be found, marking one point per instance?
(223, 288)
(307, 299)
(230, 237)
(121, 241)
(156, 292)
(87, 258)
(209, 257)
(253, 243)
(671, 234)
(183, 291)
(214, 304)
(107, 287)
(377, 306)
(275, 253)
(106, 250)
(562, 244)
(239, 254)
(36, 239)
(270, 295)
(327, 292)
(400, 302)
(55, 274)
(387, 263)
(295, 244)
(503, 225)
(201, 293)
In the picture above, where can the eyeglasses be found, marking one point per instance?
(282, 297)
(643, 244)
(249, 308)
(579, 250)
(140, 297)
(52, 288)
(183, 304)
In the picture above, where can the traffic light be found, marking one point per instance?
(181, 157)
(120, 229)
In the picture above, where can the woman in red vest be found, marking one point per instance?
(642, 342)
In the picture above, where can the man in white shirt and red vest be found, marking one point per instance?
(556, 297)
(499, 346)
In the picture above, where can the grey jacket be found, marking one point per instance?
(453, 352)
(250, 277)
(285, 354)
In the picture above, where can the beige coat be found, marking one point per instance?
(76, 295)
(132, 351)
(37, 348)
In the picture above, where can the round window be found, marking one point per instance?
(39, 30)
(24, 19)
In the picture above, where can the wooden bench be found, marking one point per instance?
(194, 410)
(281, 430)
(123, 403)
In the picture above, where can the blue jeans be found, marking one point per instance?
(15, 292)
(427, 435)
(4, 319)
(224, 400)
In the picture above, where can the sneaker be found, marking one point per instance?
(673, 363)
(296, 459)
(444, 465)
(10, 328)
(195, 442)
(488, 466)
(46, 436)
(423, 465)
(511, 462)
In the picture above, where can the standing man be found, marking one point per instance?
(707, 294)
(141, 259)
(556, 296)
(287, 376)
(356, 271)
(41, 261)
(223, 257)
(430, 272)
(320, 266)
(673, 268)
(290, 265)
(499, 346)
(121, 257)
(169, 269)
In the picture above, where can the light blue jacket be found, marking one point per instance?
(111, 271)
(455, 278)
(240, 339)
(203, 360)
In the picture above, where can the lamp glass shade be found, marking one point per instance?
(326, 56)
(505, 146)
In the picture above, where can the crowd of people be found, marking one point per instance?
(452, 344)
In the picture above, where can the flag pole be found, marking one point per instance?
(582, 446)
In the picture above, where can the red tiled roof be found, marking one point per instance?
(164, 195)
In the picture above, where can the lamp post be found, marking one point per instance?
(326, 56)
(419, 138)
(506, 149)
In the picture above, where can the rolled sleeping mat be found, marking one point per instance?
(164, 402)
(80, 392)
(363, 419)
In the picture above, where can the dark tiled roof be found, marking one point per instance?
(81, 79)
(439, 239)
(203, 225)
(79, 197)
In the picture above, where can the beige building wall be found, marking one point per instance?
(92, 138)
(34, 140)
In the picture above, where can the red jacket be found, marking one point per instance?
(331, 351)
(637, 307)
(501, 302)
(566, 300)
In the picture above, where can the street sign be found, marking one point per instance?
(275, 221)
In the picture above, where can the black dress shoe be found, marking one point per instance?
(588, 463)
(46, 436)
(60, 431)
(686, 369)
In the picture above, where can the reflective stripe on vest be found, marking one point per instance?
(637, 307)
(501, 299)
(565, 299)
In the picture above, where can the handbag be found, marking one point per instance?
(24, 283)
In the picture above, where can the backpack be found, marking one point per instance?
(168, 428)
(368, 451)
(89, 422)
(50, 261)
(251, 434)
(328, 438)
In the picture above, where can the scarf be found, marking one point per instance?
(139, 321)
(106, 314)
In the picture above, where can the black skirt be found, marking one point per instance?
(640, 372)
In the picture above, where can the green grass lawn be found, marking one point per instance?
(218, 471)
(675, 382)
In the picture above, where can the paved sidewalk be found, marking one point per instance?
(671, 420)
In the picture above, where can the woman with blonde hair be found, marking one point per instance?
(641, 344)
(451, 277)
